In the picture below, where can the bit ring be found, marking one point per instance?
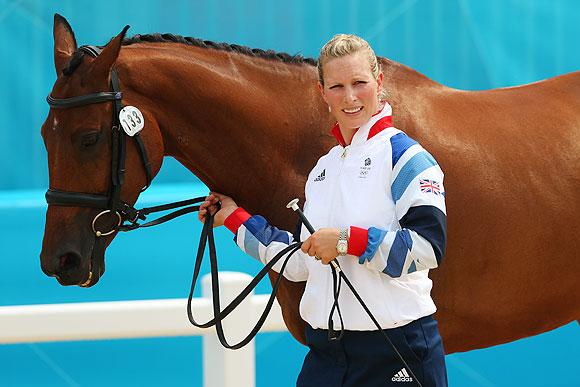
(100, 233)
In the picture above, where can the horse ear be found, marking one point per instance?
(103, 63)
(65, 43)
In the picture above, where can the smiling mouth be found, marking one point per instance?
(353, 110)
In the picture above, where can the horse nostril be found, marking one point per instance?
(68, 262)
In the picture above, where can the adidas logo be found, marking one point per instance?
(402, 376)
(322, 176)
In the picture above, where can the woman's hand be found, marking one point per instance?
(322, 244)
(227, 207)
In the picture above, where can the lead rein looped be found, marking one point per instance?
(208, 236)
(219, 315)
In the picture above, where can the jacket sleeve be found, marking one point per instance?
(419, 196)
(257, 238)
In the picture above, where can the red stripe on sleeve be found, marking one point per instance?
(357, 241)
(236, 219)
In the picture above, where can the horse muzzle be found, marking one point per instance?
(69, 268)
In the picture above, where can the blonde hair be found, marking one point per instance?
(342, 45)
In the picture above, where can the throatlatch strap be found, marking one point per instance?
(122, 153)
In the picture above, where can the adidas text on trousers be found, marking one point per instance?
(365, 358)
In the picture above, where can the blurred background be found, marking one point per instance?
(465, 44)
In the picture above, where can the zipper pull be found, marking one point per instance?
(343, 155)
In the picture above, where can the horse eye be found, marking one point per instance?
(90, 139)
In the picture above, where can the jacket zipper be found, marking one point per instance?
(341, 162)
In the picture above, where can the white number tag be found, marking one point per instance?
(131, 120)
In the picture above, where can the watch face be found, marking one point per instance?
(342, 247)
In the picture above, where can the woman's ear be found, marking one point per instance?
(380, 82)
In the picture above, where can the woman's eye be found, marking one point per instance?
(335, 87)
(89, 139)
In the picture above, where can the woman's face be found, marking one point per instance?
(351, 90)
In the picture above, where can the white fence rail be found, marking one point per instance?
(153, 318)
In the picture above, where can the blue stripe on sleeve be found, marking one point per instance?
(431, 223)
(265, 233)
(398, 253)
(417, 164)
(251, 245)
(400, 142)
(375, 237)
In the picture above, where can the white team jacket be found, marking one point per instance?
(389, 191)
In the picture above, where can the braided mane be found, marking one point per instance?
(77, 57)
(255, 52)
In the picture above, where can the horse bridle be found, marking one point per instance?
(110, 203)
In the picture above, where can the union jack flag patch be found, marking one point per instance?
(430, 186)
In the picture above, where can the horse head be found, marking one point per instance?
(87, 159)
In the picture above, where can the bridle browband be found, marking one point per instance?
(81, 100)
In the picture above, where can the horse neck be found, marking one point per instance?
(241, 124)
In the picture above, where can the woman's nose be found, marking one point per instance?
(349, 95)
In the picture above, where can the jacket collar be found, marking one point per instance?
(376, 124)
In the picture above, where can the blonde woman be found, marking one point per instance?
(377, 201)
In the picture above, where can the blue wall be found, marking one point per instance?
(467, 44)
(461, 43)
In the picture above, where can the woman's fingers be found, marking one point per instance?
(210, 204)
(220, 206)
(225, 200)
(306, 246)
(312, 251)
(322, 245)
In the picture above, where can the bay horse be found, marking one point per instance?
(251, 124)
